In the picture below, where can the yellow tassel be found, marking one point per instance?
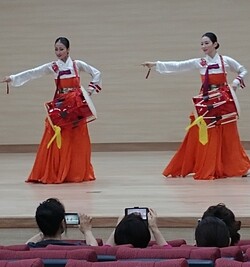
(56, 136)
(203, 135)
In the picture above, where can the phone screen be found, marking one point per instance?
(140, 211)
(72, 218)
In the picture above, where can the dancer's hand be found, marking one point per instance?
(6, 79)
(148, 64)
(235, 87)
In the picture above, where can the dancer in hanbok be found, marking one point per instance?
(64, 154)
(211, 148)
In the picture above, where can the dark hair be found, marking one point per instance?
(212, 37)
(212, 232)
(63, 40)
(132, 230)
(227, 216)
(49, 216)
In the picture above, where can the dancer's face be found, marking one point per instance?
(207, 46)
(61, 51)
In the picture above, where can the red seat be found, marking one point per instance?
(22, 263)
(173, 253)
(223, 262)
(82, 242)
(243, 242)
(16, 247)
(247, 255)
(233, 252)
(107, 250)
(104, 253)
(168, 263)
(81, 254)
(173, 243)
(244, 247)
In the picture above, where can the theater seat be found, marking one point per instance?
(83, 242)
(51, 258)
(223, 262)
(247, 255)
(173, 243)
(195, 257)
(168, 263)
(243, 242)
(16, 247)
(232, 252)
(104, 253)
(22, 263)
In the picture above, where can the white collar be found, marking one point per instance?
(65, 64)
(213, 59)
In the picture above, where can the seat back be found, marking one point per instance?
(194, 257)
(16, 247)
(83, 242)
(247, 254)
(243, 242)
(174, 253)
(173, 243)
(104, 253)
(169, 263)
(223, 262)
(22, 263)
(232, 252)
(50, 258)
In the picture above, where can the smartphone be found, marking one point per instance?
(72, 218)
(137, 210)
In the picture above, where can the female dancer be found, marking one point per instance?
(72, 161)
(223, 155)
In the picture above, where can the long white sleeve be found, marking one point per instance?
(96, 83)
(25, 76)
(177, 66)
(236, 67)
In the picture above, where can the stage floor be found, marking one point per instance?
(124, 179)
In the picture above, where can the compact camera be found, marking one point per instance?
(143, 212)
(72, 218)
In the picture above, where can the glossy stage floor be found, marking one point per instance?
(124, 179)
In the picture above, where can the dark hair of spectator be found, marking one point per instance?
(132, 230)
(212, 232)
(227, 216)
(49, 216)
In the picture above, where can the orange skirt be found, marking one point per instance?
(223, 156)
(70, 164)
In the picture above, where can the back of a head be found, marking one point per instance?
(222, 212)
(132, 230)
(212, 232)
(49, 216)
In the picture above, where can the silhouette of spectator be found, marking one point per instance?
(227, 216)
(212, 232)
(50, 218)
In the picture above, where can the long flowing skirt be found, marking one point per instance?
(71, 163)
(223, 156)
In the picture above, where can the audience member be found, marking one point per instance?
(227, 216)
(132, 229)
(50, 218)
(212, 232)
